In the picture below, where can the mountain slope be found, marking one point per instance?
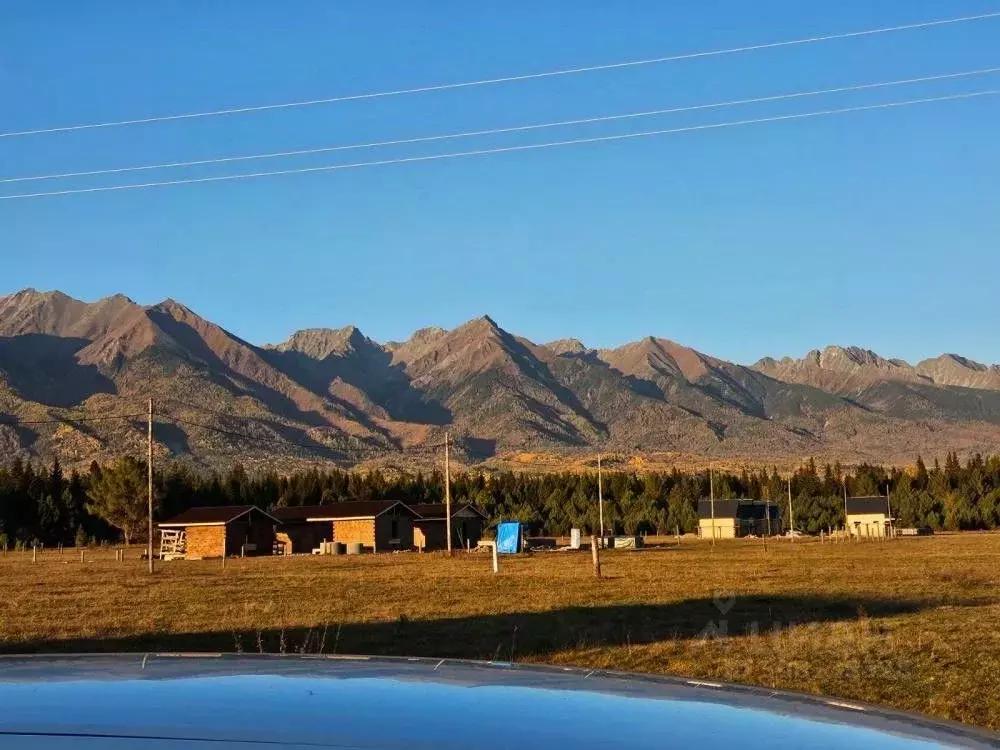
(495, 387)
(334, 394)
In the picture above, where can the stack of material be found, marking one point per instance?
(626, 542)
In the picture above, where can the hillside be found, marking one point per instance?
(75, 378)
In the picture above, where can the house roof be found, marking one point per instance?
(743, 509)
(342, 510)
(863, 506)
(436, 511)
(214, 515)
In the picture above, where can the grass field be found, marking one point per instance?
(911, 623)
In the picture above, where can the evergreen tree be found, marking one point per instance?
(119, 496)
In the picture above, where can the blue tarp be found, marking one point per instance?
(509, 537)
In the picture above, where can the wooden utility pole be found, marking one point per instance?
(595, 553)
(767, 509)
(845, 505)
(447, 492)
(791, 516)
(149, 477)
(600, 499)
(888, 507)
(711, 501)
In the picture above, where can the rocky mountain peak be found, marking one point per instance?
(320, 343)
(566, 346)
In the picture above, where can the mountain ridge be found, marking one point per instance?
(334, 394)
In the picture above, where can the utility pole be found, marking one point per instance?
(447, 492)
(767, 510)
(845, 505)
(149, 477)
(600, 496)
(888, 507)
(791, 517)
(711, 495)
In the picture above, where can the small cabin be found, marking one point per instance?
(218, 531)
(730, 519)
(869, 516)
(430, 529)
(378, 525)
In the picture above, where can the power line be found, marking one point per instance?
(65, 420)
(315, 446)
(505, 149)
(509, 78)
(270, 422)
(512, 129)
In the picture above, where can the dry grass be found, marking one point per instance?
(910, 623)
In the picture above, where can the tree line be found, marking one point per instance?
(42, 505)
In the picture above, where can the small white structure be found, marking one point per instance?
(869, 517)
(574, 538)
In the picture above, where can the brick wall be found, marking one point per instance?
(204, 541)
(355, 531)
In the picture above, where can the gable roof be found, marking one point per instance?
(340, 511)
(864, 506)
(213, 515)
(740, 508)
(723, 508)
(437, 511)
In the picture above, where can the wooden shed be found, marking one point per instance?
(430, 529)
(378, 525)
(222, 530)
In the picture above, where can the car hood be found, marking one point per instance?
(172, 700)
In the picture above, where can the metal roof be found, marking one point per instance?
(865, 506)
(736, 508)
(213, 515)
(333, 511)
(435, 511)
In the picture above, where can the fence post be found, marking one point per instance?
(496, 560)
(83, 552)
(34, 553)
(595, 554)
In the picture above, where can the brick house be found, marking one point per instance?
(224, 530)
(430, 529)
(378, 525)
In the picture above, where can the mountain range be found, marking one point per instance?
(75, 379)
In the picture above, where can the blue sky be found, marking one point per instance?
(876, 228)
